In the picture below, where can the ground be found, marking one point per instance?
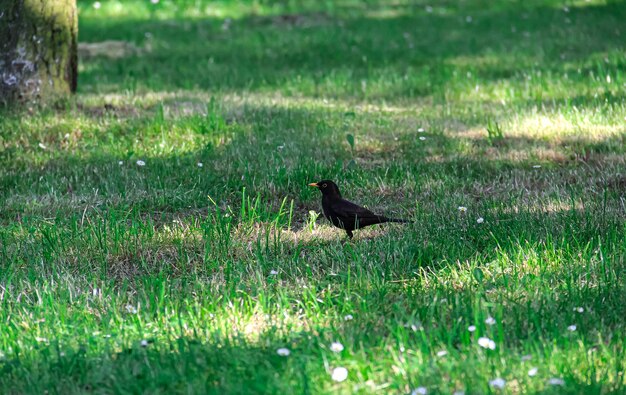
(157, 234)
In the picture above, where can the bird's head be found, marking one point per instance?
(327, 187)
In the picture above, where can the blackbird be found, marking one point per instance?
(344, 214)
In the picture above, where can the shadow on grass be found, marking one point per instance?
(274, 152)
(182, 366)
(411, 54)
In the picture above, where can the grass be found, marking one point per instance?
(176, 278)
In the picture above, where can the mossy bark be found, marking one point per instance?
(38, 49)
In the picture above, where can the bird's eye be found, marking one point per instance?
(324, 185)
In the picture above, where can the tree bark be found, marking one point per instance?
(38, 49)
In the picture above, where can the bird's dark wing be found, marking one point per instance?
(351, 212)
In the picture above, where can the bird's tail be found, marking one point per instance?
(399, 220)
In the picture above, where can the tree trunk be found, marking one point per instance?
(38, 57)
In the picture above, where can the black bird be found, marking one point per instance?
(344, 214)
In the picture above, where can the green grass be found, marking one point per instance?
(216, 267)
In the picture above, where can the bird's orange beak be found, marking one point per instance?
(314, 184)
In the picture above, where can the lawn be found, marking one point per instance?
(157, 234)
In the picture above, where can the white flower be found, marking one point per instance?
(537, 167)
(144, 343)
(336, 347)
(420, 130)
(579, 309)
(141, 163)
(283, 352)
(571, 328)
(480, 220)
(41, 339)
(419, 391)
(442, 353)
(422, 138)
(533, 372)
(273, 272)
(471, 328)
(556, 381)
(486, 342)
(42, 146)
(526, 357)
(348, 317)
(97, 5)
(120, 162)
(462, 209)
(131, 309)
(154, 1)
(200, 164)
(339, 374)
(490, 321)
(498, 383)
